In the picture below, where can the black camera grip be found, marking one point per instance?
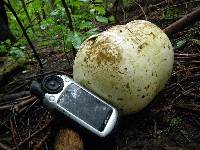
(36, 90)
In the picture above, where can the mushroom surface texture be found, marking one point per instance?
(126, 65)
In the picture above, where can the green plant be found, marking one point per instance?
(171, 13)
(175, 121)
(52, 31)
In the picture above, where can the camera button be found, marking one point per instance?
(51, 98)
(66, 80)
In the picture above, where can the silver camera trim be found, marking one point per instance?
(51, 101)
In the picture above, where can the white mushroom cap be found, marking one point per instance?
(127, 65)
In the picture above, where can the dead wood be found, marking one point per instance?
(183, 22)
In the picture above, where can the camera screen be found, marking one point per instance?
(85, 106)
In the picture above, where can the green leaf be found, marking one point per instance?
(76, 39)
(172, 13)
(92, 11)
(36, 5)
(54, 12)
(109, 5)
(91, 32)
(17, 52)
(102, 19)
(175, 121)
(53, 43)
(112, 19)
(85, 25)
(99, 1)
(3, 49)
(100, 10)
(84, 0)
(180, 44)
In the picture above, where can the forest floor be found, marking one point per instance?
(170, 122)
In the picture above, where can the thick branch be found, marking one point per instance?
(183, 22)
(8, 5)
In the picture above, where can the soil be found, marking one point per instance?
(170, 122)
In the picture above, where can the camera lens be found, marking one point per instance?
(52, 84)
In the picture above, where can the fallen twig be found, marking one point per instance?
(19, 105)
(145, 16)
(14, 96)
(13, 134)
(187, 55)
(18, 87)
(35, 133)
(193, 107)
(187, 69)
(39, 145)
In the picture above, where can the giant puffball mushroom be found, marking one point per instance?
(126, 65)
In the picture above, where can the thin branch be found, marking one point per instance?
(145, 16)
(39, 145)
(18, 106)
(35, 133)
(191, 107)
(9, 6)
(27, 14)
(14, 96)
(70, 25)
(14, 134)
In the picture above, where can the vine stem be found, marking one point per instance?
(9, 6)
(70, 24)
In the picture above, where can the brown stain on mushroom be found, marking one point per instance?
(153, 35)
(127, 86)
(147, 87)
(142, 45)
(110, 96)
(120, 99)
(102, 53)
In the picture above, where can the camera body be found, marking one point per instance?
(61, 93)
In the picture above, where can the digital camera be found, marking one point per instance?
(61, 93)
